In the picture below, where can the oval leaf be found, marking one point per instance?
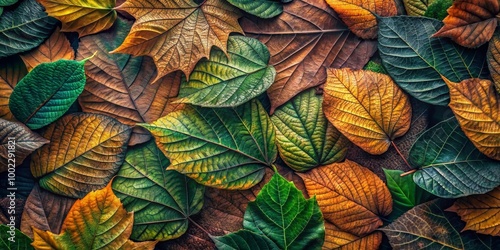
(350, 196)
(476, 105)
(260, 8)
(280, 205)
(244, 240)
(304, 136)
(450, 165)
(83, 16)
(470, 23)
(85, 152)
(223, 148)
(229, 80)
(416, 61)
(24, 28)
(366, 107)
(56, 84)
(161, 199)
(98, 221)
(12, 70)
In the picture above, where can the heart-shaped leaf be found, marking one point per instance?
(56, 84)
(450, 165)
(223, 148)
(260, 8)
(350, 196)
(11, 239)
(416, 61)
(161, 199)
(84, 153)
(82, 16)
(366, 107)
(476, 105)
(229, 80)
(119, 85)
(307, 37)
(12, 70)
(24, 28)
(244, 240)
(304, 136)
(98, 221)
(16, 143)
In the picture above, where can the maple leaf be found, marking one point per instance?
(178, 33)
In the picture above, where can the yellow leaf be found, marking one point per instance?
(338, 239)
(360, 15)
(55, 48)
(367, 107)
(178, 33)
(350, 196)
(477, 107)
(83, 16)
(480, 212)
(98, 221)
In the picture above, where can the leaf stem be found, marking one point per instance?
(198, 225)
(408, 173)
(400, 154)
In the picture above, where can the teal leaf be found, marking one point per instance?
(244, 240)
(260, 8)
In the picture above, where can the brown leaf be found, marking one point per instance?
(12, 70)
(338, 239)
(494, 60)
(44, 210)
(350, 196)
(17, 140)
(360, 15)
(470, 23)
(480, 212)
(54, 48)
(305, 39)
(119, 85)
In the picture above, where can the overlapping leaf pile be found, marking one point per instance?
(187, 124)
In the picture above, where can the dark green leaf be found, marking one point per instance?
(449, 164)
(4, 3)
(438, 9)
(244, 240)
(260, 8)
(13, 239)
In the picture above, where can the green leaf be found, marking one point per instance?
(416, 61)
(228, 81)
(12, 238)
(304, 136)
(375, 67)
(260, 8)
(437, 9)
(47, 92)
(281, 213)
(428, 226)
(161, 199)
(405, 193)
(224, 148)
(244, 240)
(24, 28)
(4, 3)
(449, 164)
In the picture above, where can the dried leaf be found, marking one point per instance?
(12, 70)
(470, 23)
(350, 196)
(83, 16)
(366, 107)
(307, 37)
(119, 85)
(361, 15)
(54, 48)
(85, 152)
(494, 60)
(178, 33)
(341, 240)
(476, 105)
(98, 221)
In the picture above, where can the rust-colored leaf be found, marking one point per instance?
(367, 107)
(360, 15)
(470, 23)
(178, 33)
(350, 196)
(12, 70)
(119, 85)
(54, 48)
(338, 239)
(481, 213)
(307, 37)
(494, 60)
(476, 105)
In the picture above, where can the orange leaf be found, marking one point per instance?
(178, 33)
(494, 60)
(360, 15)
(12, 70)
(477, 107)
(350, 196)
(480, 212)
(470, 23)
(338, 239)
(54, 48)
(367, 107)
(98, 221)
